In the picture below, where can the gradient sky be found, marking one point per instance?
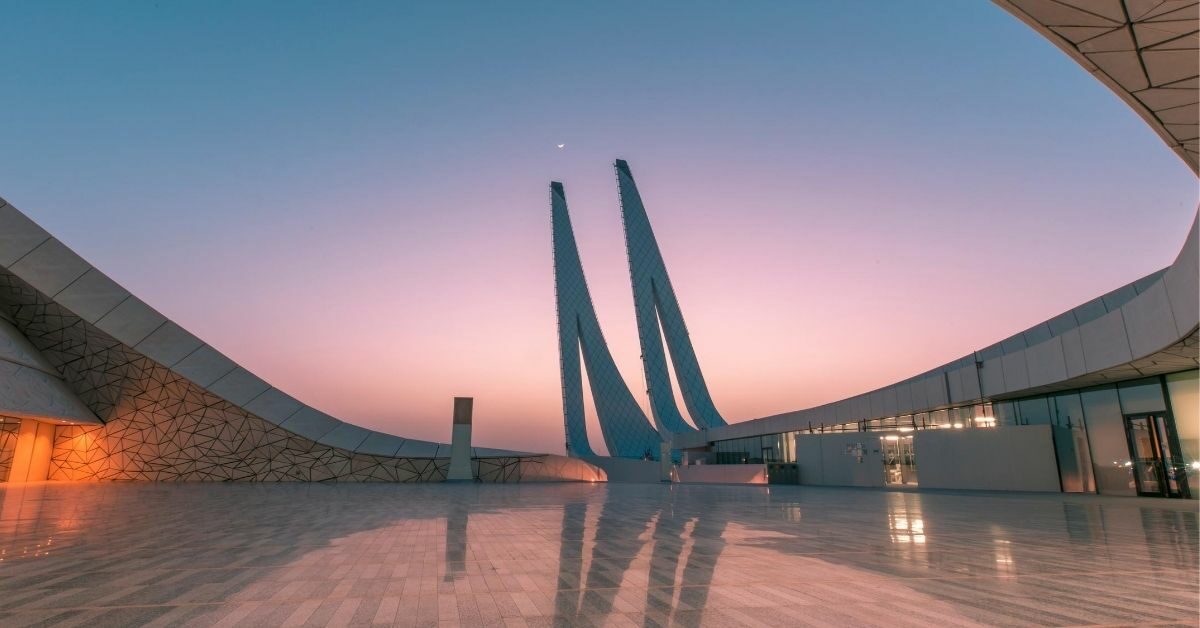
(350, 199)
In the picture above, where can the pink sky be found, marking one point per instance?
(362, 219)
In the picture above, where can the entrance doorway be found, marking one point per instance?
(899, 460)
(1154, 452)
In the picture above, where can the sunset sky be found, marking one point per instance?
(353, 204)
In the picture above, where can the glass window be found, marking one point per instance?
(983, 416)
(1034, 411)
(1184, 391)
(1005, 412)
(772, 448)
(1142, 396)
(1068, 410)
(1106, 434)
(1072, 445)
(961, 417)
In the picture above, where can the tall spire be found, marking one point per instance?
(655, 304)
(627, 432)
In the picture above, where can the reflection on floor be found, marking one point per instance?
(583, 554)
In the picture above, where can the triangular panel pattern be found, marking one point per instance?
(1147, 51)
(655, 304)
(160, 426)
(626, 430)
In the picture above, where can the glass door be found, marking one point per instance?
(1155, 462)
(908, 460)
(899, 461)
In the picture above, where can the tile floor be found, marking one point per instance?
(587, 554)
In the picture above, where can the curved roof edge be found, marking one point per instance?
(49, 266)
(1143, 328)
(1145, 51)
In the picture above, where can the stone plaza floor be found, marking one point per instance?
(587, 554)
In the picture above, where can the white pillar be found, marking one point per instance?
(460, 442)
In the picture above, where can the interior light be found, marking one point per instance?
(958, 426)
(1196, 464)
(891, 437)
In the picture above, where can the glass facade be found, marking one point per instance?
(1183, 393)
(1106, 435)
(1136, 437)
(756, 449)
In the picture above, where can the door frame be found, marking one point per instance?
(1167, 454)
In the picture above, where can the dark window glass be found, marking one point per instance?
(1035, 411)
(1142, 396)
(1005, 412)
(1106, 433)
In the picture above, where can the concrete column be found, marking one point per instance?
(31, 459)
(460, 442)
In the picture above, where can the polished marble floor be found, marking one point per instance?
(587, 554)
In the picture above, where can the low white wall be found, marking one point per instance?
(1011, 458)
(1014, 458)
(722, 473)
(625, 469)
(842, 464)
(834, 460)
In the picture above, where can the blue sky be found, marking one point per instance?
(350, 198)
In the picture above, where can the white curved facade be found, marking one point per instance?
(1146, 51)
(119, 392)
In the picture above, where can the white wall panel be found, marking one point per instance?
(954, 380)
(204, 366)
(875, 399)
(992, 376)
(50, 267)
(916, 388)
(1090, 311)
(1045, 363)
(92, 296)
(935, 389)
(841, 468)
(1016, 373)
(1014, 458)
(1104, 342)
(239, 386)
(131, 321)
(422, 449)
(1148, 321)
(169, 344)
(970, 382)
(274, 405)
(841, 411)
(379, 444)
(1072, 346)
(345, 436)
(310, 423)
(1182, 281)
(18, 235)
(861, 407)
(890, 405)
